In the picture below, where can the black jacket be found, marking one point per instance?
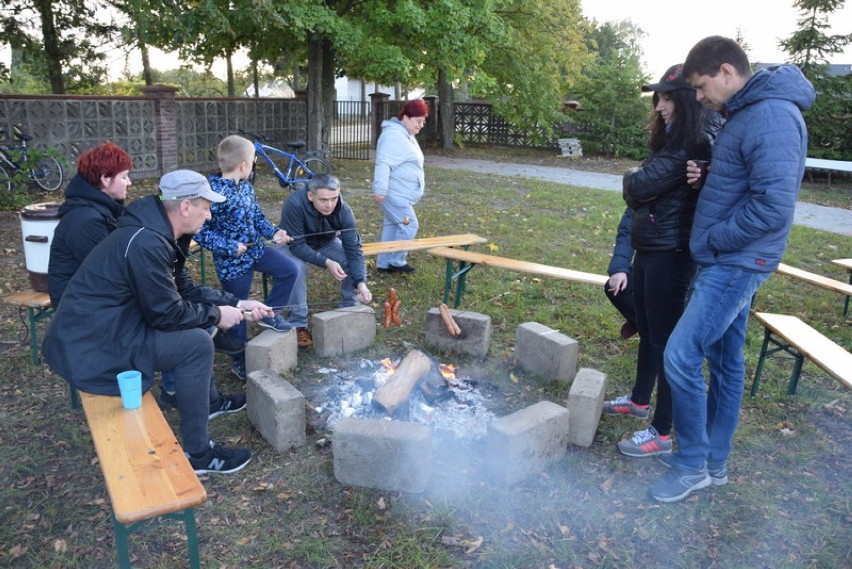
(132, 283)
(299, 217)
(663, 203)
(85, 217)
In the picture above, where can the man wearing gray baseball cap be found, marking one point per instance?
(131, 305)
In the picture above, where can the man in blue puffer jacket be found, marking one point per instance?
(739, 233)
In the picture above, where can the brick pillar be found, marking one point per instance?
(378, 101)
(166, 121)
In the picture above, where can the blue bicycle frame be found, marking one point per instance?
(296, 173)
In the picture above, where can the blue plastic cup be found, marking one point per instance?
(130, 386)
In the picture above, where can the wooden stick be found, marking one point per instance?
(397, 389)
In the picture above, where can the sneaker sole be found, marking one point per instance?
(214, 471)
(641, 453)
(228, 412)
(634, 415)
(716, 480)
(698, 486)
(270, 327)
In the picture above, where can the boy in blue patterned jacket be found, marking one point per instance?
(236, 234)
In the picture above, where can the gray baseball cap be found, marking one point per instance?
(186, 185)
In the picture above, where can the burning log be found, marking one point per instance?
(398, 387)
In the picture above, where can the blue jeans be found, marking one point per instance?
(713, 327)
(299, 297)
(283, 271)
(393, 229)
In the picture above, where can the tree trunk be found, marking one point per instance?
(147, 73)
(397, 389)
(230, 71)
(51, 46)
(329, 55)
(446, 108)
(315, 111)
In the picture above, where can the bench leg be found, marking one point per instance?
(846, 304)
(121, 545)
(192, 538)
(760, 360)
(460, 276)
(122, 532)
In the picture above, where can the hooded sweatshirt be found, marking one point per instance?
(85, 217)
(399, 164)
(745, 210)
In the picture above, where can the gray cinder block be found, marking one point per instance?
(388, 455)
(343, 330)
(585, 402)
(546, 352)
(272, 350)
(276, 409)
(474, 339)
(527, 441)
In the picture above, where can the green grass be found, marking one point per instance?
(788, 504)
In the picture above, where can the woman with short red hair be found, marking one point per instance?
(398, 181)
(93, 201)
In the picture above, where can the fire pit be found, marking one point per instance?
(431, 394)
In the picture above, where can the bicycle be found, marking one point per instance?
(294, 171)
(14, 159)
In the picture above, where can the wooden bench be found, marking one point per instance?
(147, 474)
(468, 259)
(818, 280)
(790, 335)
(830, 166)
(38, 308)
(846, 264)
(460, 240)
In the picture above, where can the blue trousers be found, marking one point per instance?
(393, 229)
(299, 297)
(712, 328)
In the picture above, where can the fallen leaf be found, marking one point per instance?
(381, 503)
(606, 485)
(60, 546)
(785, 432)
(493, 247)
(472, 545)
(513, 377)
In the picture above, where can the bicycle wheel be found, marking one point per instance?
(5, 179)
(47, 174)
(318, 166)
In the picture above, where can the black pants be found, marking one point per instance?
(623, 301)
(661, 281)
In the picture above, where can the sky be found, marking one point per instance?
(673, 27)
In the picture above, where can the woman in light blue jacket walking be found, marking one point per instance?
(398, 181)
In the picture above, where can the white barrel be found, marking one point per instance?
(38, 222)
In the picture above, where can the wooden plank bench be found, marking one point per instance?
(468, 259)
(146, 472)
(818, 280)
(846, 264)
(38, 308)
(829, 166)
(790, 335)
(459, 240)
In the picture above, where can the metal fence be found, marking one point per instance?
(350, 130)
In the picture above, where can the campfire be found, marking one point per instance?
(416, 388)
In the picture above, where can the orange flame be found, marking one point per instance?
(448, 371)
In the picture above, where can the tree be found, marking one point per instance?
(58, 39)
(613, 112)
(809, 48)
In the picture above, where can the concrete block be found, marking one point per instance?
(276, 409)
(272, 350)
(585, 402)
(474, 339)
(343, 330)
(388, 455)
(527, 441)
(546, 352)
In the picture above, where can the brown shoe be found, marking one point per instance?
(303, 339)
(627, 331)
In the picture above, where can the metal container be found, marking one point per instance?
(38, 222)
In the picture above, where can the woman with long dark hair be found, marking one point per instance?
(662, 204)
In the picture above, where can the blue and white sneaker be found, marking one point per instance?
(675, 485)
(718, 474)
(276, 323)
